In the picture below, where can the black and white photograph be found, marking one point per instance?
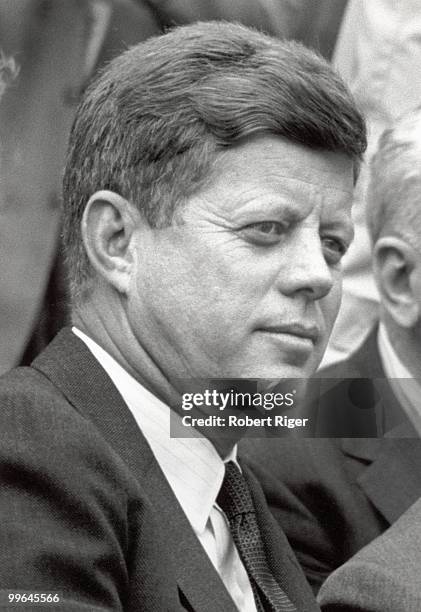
(210, 305)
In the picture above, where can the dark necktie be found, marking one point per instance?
(235, 500)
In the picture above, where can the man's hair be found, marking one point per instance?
(150, 125)
(394, 192)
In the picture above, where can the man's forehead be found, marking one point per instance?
(274, 158)
(250, 188)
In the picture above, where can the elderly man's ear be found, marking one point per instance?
(109, 226)
(397, 269)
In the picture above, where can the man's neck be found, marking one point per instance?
(405, 345)
(116, 338)
(116, 341)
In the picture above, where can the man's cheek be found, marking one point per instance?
(331, 306)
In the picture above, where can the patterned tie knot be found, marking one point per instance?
(234, 497)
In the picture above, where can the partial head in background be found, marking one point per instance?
(207, 199)
(394, 220)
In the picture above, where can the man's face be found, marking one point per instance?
(250, 284)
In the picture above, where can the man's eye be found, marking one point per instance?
(334, 249)
(264, 232)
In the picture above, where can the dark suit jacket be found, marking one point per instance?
(384, 576)
(87, 513)
(343, 492)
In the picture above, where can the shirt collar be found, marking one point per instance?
(191, 465)
(392, 365)
(405, 387)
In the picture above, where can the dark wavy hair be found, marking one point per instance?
(151, 123)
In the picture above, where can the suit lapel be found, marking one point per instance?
(196, 576)
(368, 362)
(69, 364)
(392, 478)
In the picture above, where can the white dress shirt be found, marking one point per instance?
(194, 471)
(406, 388)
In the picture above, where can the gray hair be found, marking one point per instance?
(394, 193)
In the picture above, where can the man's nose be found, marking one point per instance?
(306, 270)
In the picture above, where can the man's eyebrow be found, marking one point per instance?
(289, 208)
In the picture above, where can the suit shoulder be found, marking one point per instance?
(26, 392)
(40, 426)
(30, 402)
(25, 383)
(372, 586)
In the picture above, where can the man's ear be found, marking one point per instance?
(108, 225)
(394, 264)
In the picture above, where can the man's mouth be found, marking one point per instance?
(300, 332)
